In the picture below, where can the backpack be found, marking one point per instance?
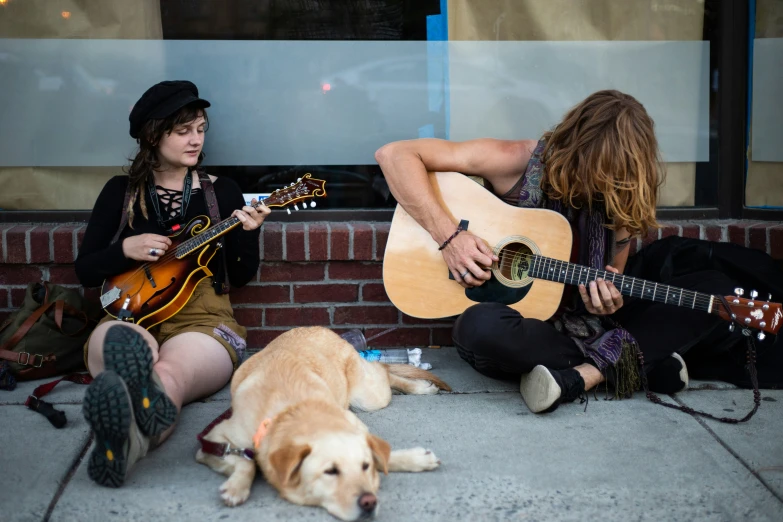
(46, 336)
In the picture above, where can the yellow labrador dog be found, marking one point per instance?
(290, 405)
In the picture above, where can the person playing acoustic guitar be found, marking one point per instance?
(600, 168)
(144, 377)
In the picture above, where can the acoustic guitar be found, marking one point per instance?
(533, 247)
(152, 292)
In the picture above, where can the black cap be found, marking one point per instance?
(161, 100)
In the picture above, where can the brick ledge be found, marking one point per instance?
(327, 274)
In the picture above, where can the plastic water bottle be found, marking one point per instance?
(393, 356)
(390, 356)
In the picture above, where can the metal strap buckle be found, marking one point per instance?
(27, 359)
(229, 450)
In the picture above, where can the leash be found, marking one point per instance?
(221, 449)
(54, 416)
(750, 366)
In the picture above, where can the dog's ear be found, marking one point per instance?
(381, 451)
(287, 461)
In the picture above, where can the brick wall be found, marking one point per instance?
(327, 274)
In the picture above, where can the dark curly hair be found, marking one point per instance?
(146, 160)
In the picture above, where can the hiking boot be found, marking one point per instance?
(118, 442)
(126, 352)
(543, 390)
(669, 376)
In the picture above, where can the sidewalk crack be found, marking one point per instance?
(733, 453)
(68, 476)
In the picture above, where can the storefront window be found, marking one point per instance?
(317, 86)
(764, 181)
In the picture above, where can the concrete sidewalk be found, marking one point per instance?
(620, 460)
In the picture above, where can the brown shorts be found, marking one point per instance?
(207, 313)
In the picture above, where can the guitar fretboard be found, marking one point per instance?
(205, 237)
(208, 235)
(564, 272)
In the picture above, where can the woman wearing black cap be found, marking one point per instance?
(144, 377)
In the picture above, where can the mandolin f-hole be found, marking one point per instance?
(146, 304)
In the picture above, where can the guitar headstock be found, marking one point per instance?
(757, 315)
(304, 188)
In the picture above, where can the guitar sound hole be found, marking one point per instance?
(515, 261)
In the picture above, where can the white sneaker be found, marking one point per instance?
(683, 372)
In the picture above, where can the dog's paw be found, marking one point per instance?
(414, 460)
(233, 494)
(425, 459)
(423, 387)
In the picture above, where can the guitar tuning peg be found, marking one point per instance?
(288, 210)
(298, 180)
(753, 294)
(731, 327)
(769, 297)
(296, 206)
(312, 205)
(761, 336)
(739, 291)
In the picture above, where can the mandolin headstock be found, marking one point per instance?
(304, 188)
(754, 314)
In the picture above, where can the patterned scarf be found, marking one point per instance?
(610, 348)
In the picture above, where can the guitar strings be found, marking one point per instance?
(698, 297)
(171, 255)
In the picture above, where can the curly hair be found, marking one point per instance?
(605, 151)
(146, 160)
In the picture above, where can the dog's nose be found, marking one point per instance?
(367, 502)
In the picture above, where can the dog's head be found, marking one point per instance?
(337, 471)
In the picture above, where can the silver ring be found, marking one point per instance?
(153, 251)
(466, 273)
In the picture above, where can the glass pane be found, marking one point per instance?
(764, 181)
(318, 86)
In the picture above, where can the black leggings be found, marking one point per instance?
(498, 342)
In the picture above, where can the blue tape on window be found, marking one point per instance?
(437, 30)
(438, 65)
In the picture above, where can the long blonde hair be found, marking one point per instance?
(605, 151)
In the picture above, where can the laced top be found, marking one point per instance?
(171, 201)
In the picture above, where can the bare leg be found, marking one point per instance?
(191, 366)
(590, 374)
(95, 350)
(136, 404)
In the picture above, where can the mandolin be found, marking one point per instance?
(152, 292)
(533, 247)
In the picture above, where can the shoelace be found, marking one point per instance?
(584, 398)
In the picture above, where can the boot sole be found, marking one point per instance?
(539, 389)
(107, 409)
(126, 352)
